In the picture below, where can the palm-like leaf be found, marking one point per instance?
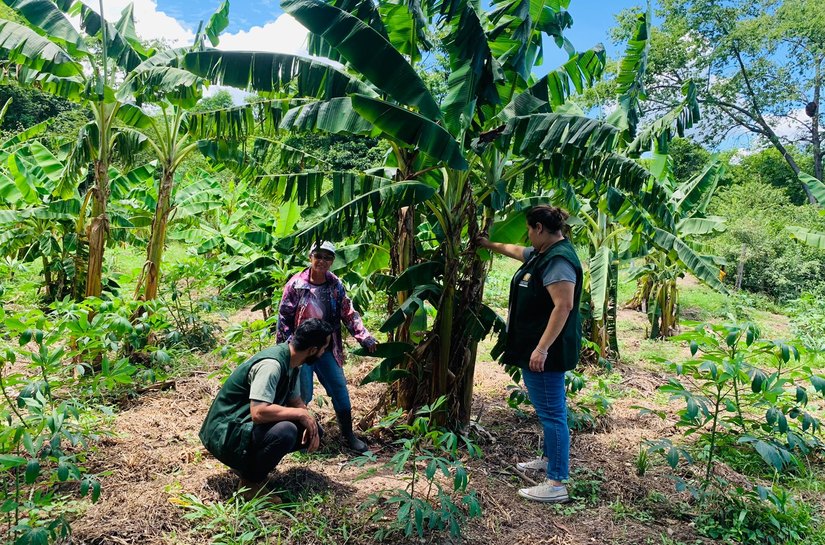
(808, 236)
(274, 72)
(24, 46)
(376, 198)
(412, 129)
(367, 51)
(46, 17)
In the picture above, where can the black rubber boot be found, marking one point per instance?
(350, 440)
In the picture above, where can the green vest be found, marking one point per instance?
(530, 308)
(227, 431)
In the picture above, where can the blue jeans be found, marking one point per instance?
(332, 379)
(546, 391)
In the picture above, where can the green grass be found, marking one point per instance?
(128, 261)
(497, 287)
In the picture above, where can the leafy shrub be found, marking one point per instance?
(186, 298)
(43, 439)
(808, 319)
(739, 389)
(425, 505)
(757, 215)
(757, 516)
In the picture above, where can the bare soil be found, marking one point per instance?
(156, 457)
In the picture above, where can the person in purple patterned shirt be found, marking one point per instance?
(317, 293)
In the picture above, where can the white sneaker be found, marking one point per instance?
(539, 464)
(546, 493)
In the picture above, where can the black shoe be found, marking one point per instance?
(350, 439)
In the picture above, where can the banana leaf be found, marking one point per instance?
(367, 51)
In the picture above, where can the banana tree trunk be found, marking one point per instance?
(816, 140)
(47, 279)
(98, 229)
(472, 296)
(157, 240)
(612, 312)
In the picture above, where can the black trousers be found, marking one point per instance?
(270, 443)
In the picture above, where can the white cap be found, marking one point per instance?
(326, 246)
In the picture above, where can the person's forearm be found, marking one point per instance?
(554, 326)
(268, 413)
(510, 250)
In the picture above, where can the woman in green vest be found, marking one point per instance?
(544, 337)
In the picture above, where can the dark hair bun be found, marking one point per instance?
(552, 218)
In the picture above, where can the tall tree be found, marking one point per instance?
(758, 68)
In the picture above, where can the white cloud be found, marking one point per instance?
(283, 35)
(791, 126)
(150, 23)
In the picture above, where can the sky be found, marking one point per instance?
(261, 24)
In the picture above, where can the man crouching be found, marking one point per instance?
(258, 416)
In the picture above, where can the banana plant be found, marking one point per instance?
(37, 225)
(657, 292)
(48, 52)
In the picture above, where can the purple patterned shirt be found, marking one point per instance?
(302, 300)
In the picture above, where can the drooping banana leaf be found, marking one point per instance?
(133, 116)
(815, 186)
(274, 72)
(808, 236)
(125, 48)
(512, 35)
(367, 51)
(239, 122)
(423, 292)
(411, 129)
(179, 87)
(365, 10)
(24, 46)
(217, 23)
(581, 71)
(418, 274)
(474, 71)
(334, 116)
(303, 187)
(406, 27)
(697, 192)
(379, 198)
(599, 280)
(699, 266)
(700, 226)
(630, 80)
(52, 23)
(660, 132)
